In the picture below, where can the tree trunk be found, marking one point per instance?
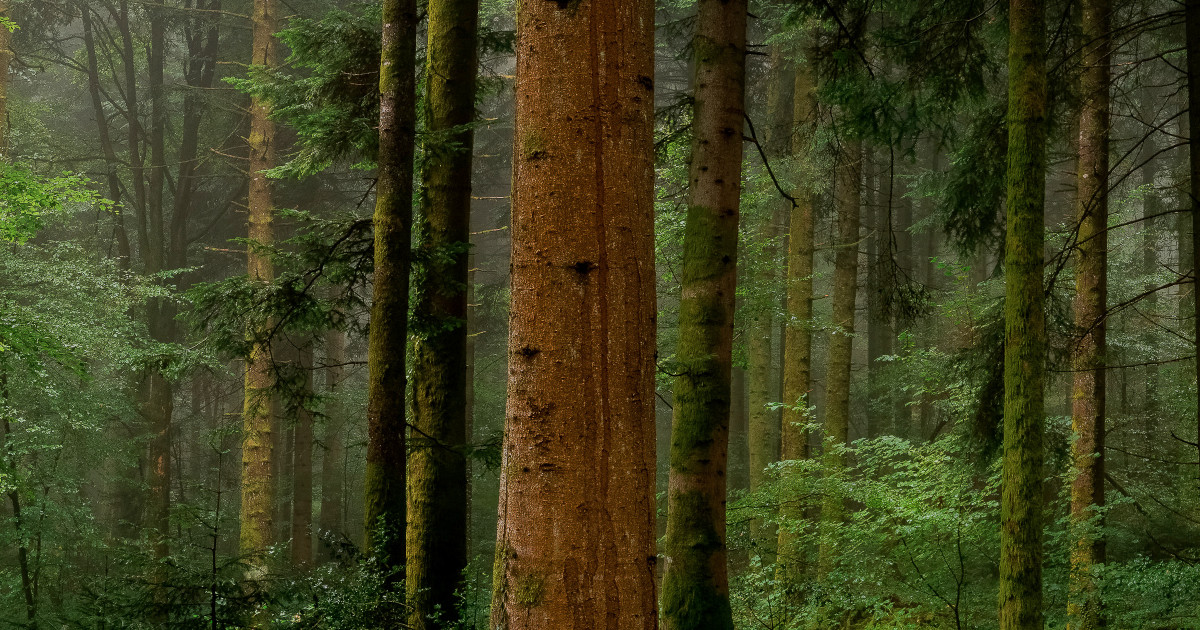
(576, 535)
(258, 487)
(696, 581)
(1020, 592)
(1084, 606)
(384, 513)
(797, 345)
(331, 521)
(302, 465)
(1192, 21)
(841, 346)
(437, 499)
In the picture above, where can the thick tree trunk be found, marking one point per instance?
(797, 345)
(384, 513)
(1084, 606)
(1020, 592)
(841, 346)
(696, 582)
(739, 423)
(576, 535)
(331, 521)
(258, 484)
(437, 482)
(302, 464)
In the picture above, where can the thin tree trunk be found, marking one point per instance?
(331, 521)
(302, 465)
(576, 535)
(1084, 606)
(1020, 592)
(384, 512)
(258, 483)
(797, 346)
(1192, 22)
(437, 469)
(765, 377)
(841, 347)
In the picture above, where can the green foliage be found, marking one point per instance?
(328, 90)
(27, 200)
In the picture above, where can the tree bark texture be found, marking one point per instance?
(1084, 606)
(437, 469)
(384, 512)
(258, 488)
(696, 581)
(576, 534)
(1020, 592)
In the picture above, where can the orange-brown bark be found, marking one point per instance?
(576, 534)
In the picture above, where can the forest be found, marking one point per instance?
(622, 314)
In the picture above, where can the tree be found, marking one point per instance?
(437, 469)
(387, 383)
(1020, 592)
(1084, 606)
(798, 338)
(841, 345)
(695, 581)
(576, 535)
(1192, 30)
(331, 521)
(258, 485)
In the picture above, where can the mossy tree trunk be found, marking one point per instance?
(258, 483)
(797, 347)
(384, 508)
(437, 499)
(576, 533)
(841, 348)
(1084, 606)
(696, 581)
(1020, 591)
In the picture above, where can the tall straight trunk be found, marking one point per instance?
(841, 346)
(1020, 592)
(258, 483)
(1084, 606)
(437, 469)
(6, 56)
(696, 582)
(576, 534)
(384, 512)
(797, 346)
(764, 376)
(739, 423)
(876, 209)
(302, 464)
(156, 395)
(1192, 22)
(331, 521)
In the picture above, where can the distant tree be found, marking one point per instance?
(1084, 606)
